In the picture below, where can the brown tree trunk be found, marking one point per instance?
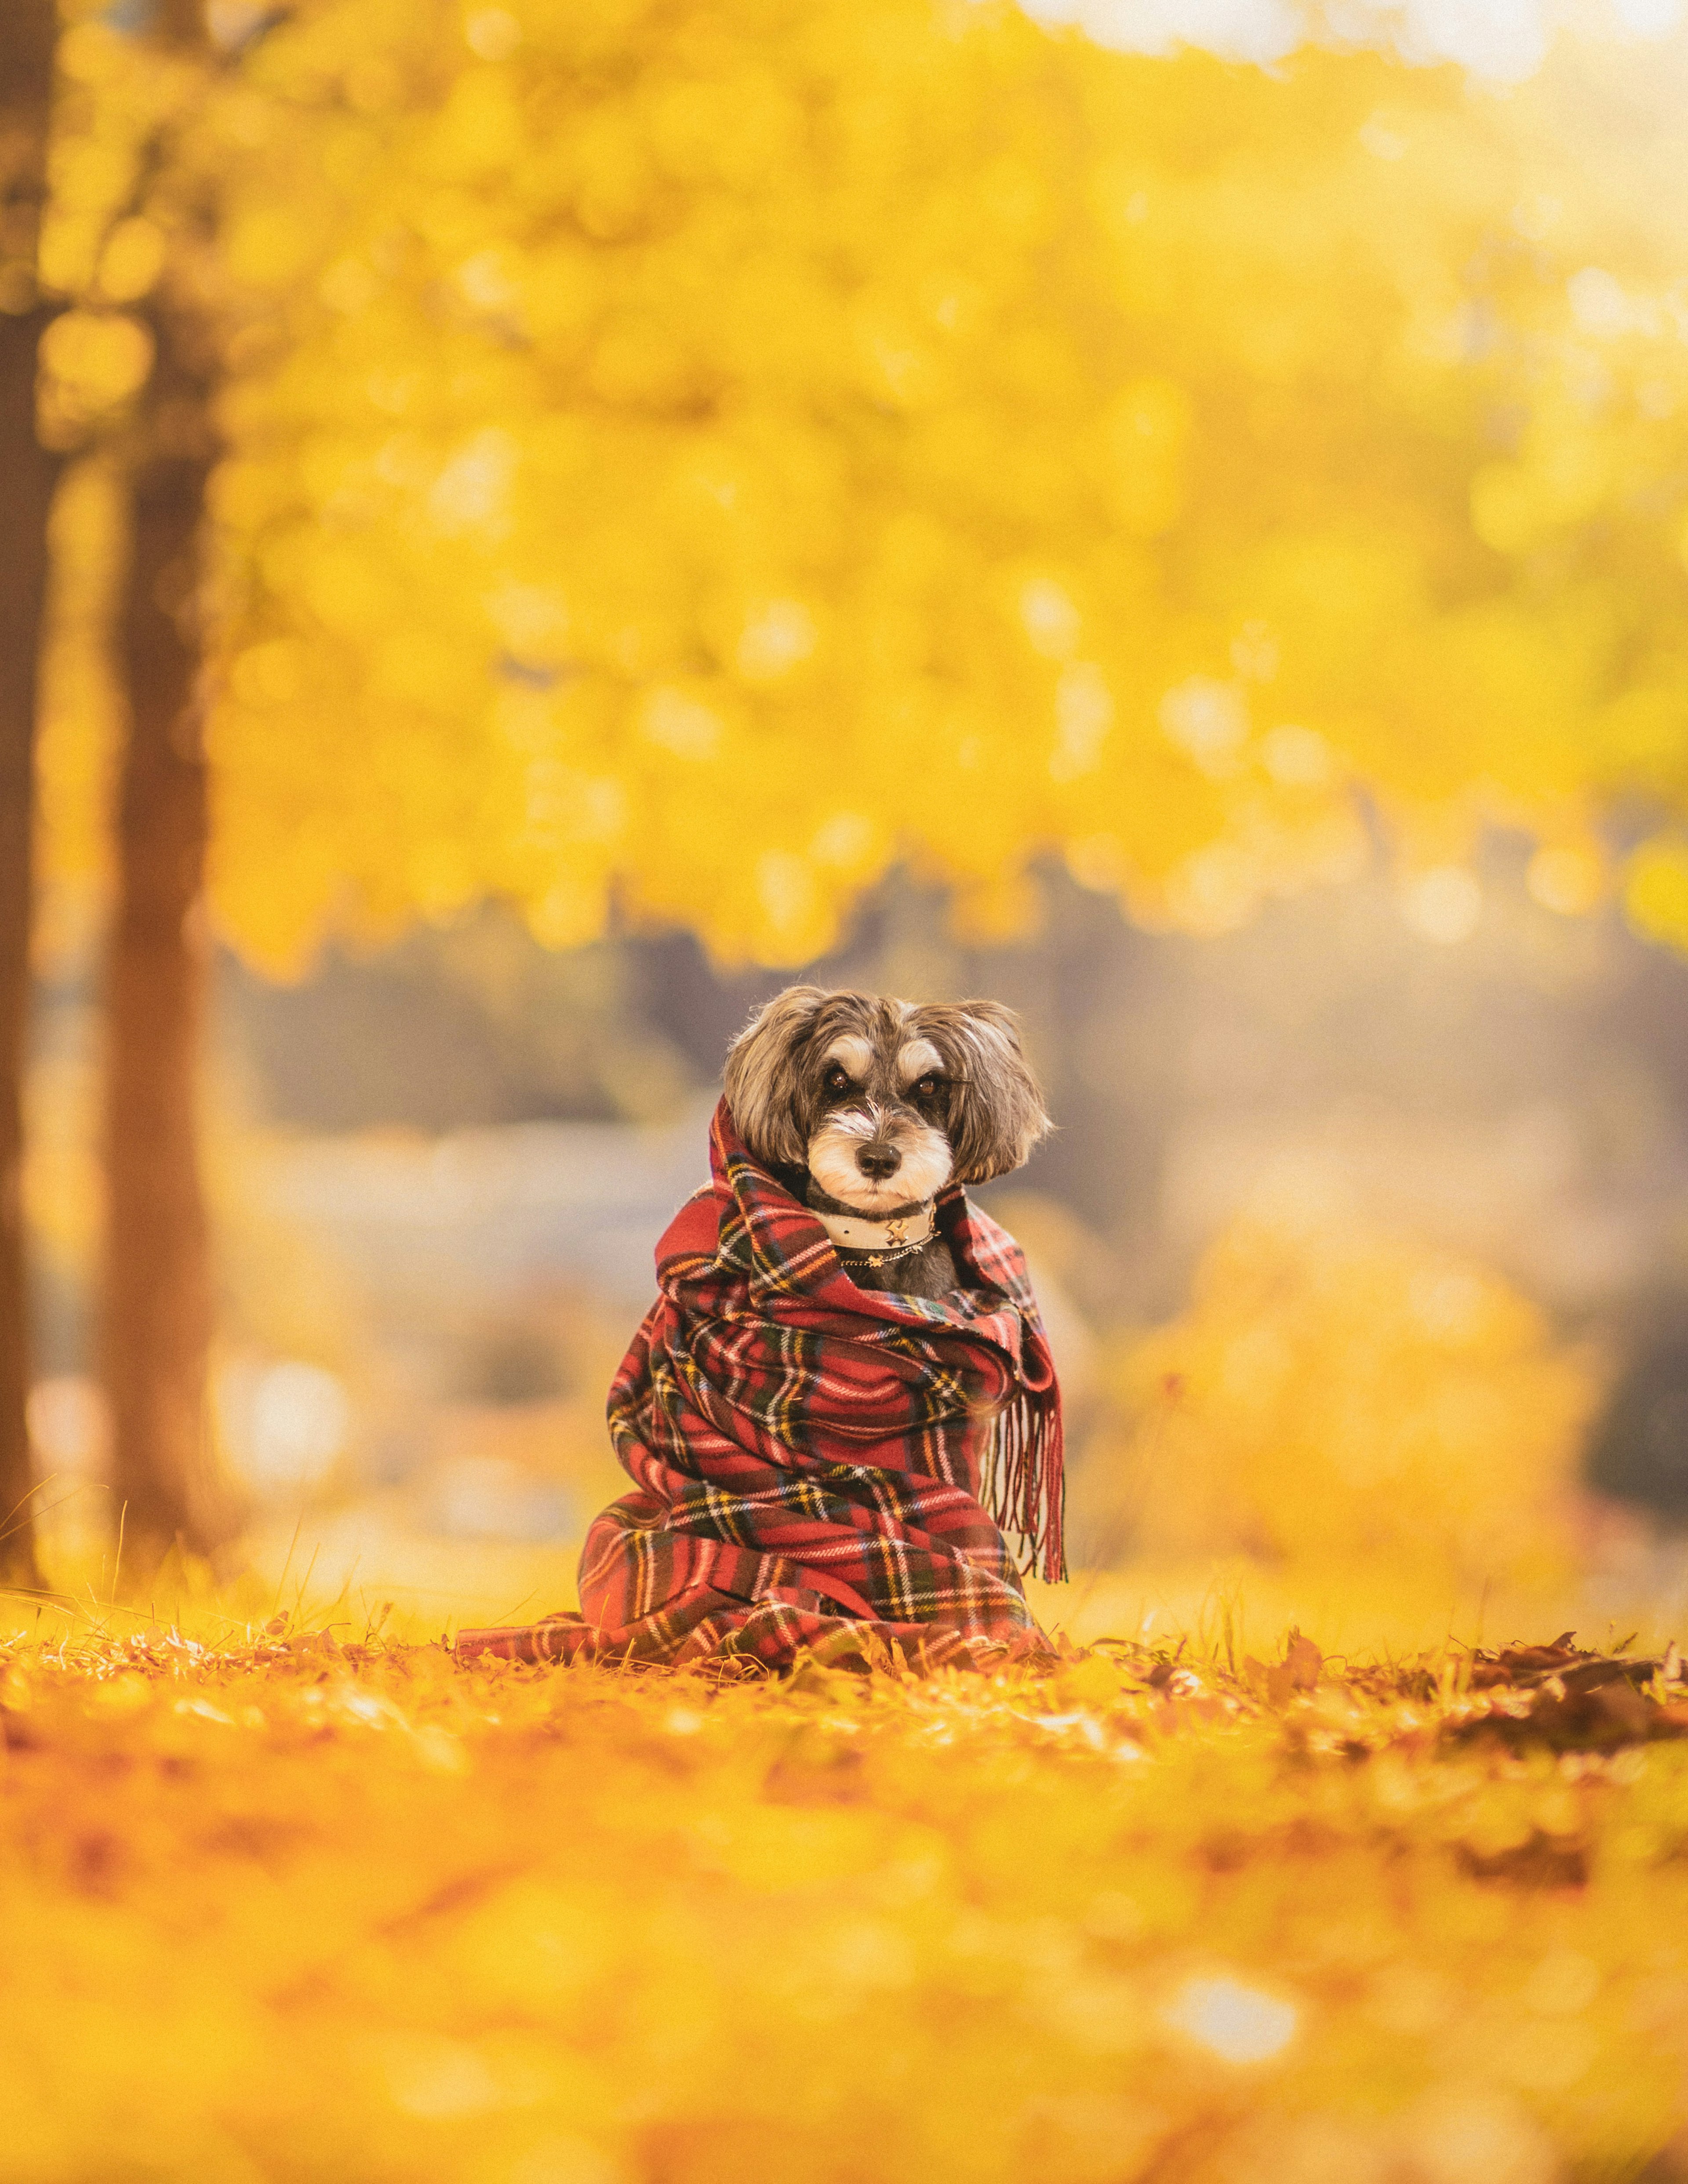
(28, 29)
(158, 1321)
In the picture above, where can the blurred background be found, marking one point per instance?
(1355, 1239)
(1172, 516)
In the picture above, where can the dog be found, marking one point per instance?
(865, 1107)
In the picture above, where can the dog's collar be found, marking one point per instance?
(852, 1232)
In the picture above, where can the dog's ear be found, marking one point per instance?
(763, 1080)
(996, 1114)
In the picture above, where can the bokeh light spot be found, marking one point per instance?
(1443, 905)
(1237, 2023)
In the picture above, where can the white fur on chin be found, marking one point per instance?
(927, 1162)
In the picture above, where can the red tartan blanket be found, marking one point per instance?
(817, 1466)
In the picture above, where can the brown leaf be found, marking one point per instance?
(17, 1733)
(1513, 1664)
(1304, 1661)
(1543, 1862)
(1591, 1675)
(1626, 1707)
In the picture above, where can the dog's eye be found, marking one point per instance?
(836, 1082)
(926, 1088)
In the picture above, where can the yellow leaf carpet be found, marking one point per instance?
(283, 1909)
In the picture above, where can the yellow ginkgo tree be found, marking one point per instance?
(699, 457)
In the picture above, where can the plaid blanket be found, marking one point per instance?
(817, 1466)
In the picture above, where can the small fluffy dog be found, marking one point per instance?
(864, 1107)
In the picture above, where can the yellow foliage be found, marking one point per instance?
(668, 445)
(93, 361)
(1656, 889)
(288, 1911)
(1333, 1397)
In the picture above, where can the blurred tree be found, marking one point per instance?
(1331, 1395)
(712, 453)
(28, 32)
(132, 371)
(158, 1301)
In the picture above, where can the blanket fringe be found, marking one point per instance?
(1023, 1483)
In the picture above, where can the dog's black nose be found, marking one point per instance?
(877, 1160)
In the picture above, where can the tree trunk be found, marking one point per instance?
(158, 1320)
(28, 29)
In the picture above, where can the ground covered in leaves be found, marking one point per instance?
(288, 1909)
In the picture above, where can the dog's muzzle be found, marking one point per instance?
(870, 1161)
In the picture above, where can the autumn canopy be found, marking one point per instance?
(698, 457)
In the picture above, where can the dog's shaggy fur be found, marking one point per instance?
(863, 1105)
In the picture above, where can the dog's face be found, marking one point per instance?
(884, 1100)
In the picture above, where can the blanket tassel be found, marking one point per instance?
(1024, 1483)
